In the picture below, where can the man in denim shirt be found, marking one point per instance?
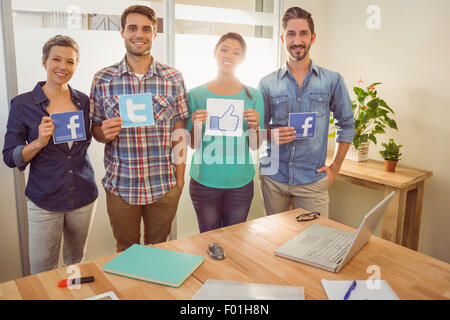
(311, 92)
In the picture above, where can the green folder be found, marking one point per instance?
(170, 268)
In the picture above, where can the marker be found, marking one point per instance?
(352, 287)
(67, 282)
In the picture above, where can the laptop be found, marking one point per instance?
(331, 249)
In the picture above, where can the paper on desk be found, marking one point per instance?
(110, 295)
(364, 290)
(225, 290)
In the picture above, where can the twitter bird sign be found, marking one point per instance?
(225, 117)
(136, 110)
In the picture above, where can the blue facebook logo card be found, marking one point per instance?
(304, 124)
(69, 126)
(136, 110)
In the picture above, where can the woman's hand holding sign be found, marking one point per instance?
(46, 129)
(199, 117)
(252, 118)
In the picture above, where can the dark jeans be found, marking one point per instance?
(217, 208)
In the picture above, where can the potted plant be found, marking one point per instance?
(391, 154)
(372, 116)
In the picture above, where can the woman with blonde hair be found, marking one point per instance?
(61, 188)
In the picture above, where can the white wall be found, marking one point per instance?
(409, 54)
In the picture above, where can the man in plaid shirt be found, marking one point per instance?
(141, 180)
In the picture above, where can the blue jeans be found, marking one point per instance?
(217, 208)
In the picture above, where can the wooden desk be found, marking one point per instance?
(401, 222)
(250, 258)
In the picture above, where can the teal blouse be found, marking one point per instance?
(223, 162)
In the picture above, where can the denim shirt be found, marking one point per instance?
(60, 179)
(323, 91)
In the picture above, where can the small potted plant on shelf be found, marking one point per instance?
(372, 116)
(391, 154)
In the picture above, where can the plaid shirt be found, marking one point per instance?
(138, 161)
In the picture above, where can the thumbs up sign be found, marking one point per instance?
(226, 122)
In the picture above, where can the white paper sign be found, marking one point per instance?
(225, 117)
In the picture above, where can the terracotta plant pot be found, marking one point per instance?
(389, 165)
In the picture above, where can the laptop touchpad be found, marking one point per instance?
(308, 240)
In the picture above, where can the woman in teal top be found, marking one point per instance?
(222, 168)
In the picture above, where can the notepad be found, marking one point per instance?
(166, 267)
(225, 290)
(364, 290)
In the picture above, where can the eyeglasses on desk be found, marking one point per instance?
(308, 216)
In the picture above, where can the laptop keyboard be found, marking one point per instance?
(332, 248)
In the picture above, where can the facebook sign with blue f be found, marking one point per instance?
(69, 126)
(136, 110)
(304, 124)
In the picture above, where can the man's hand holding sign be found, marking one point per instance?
(110, 128)
(135, 111)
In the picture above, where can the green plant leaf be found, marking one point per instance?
(361, 94)
(356, 142)
(359, 91)
(378, 129)
(383, 122)
(391, 150)
(364, 138)
(364, 118)
(381, 112)
(392, 124)
(384, 105)
(373, 104)
(361, 99)
(361, 117)
(371, 113)
(372, 137)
